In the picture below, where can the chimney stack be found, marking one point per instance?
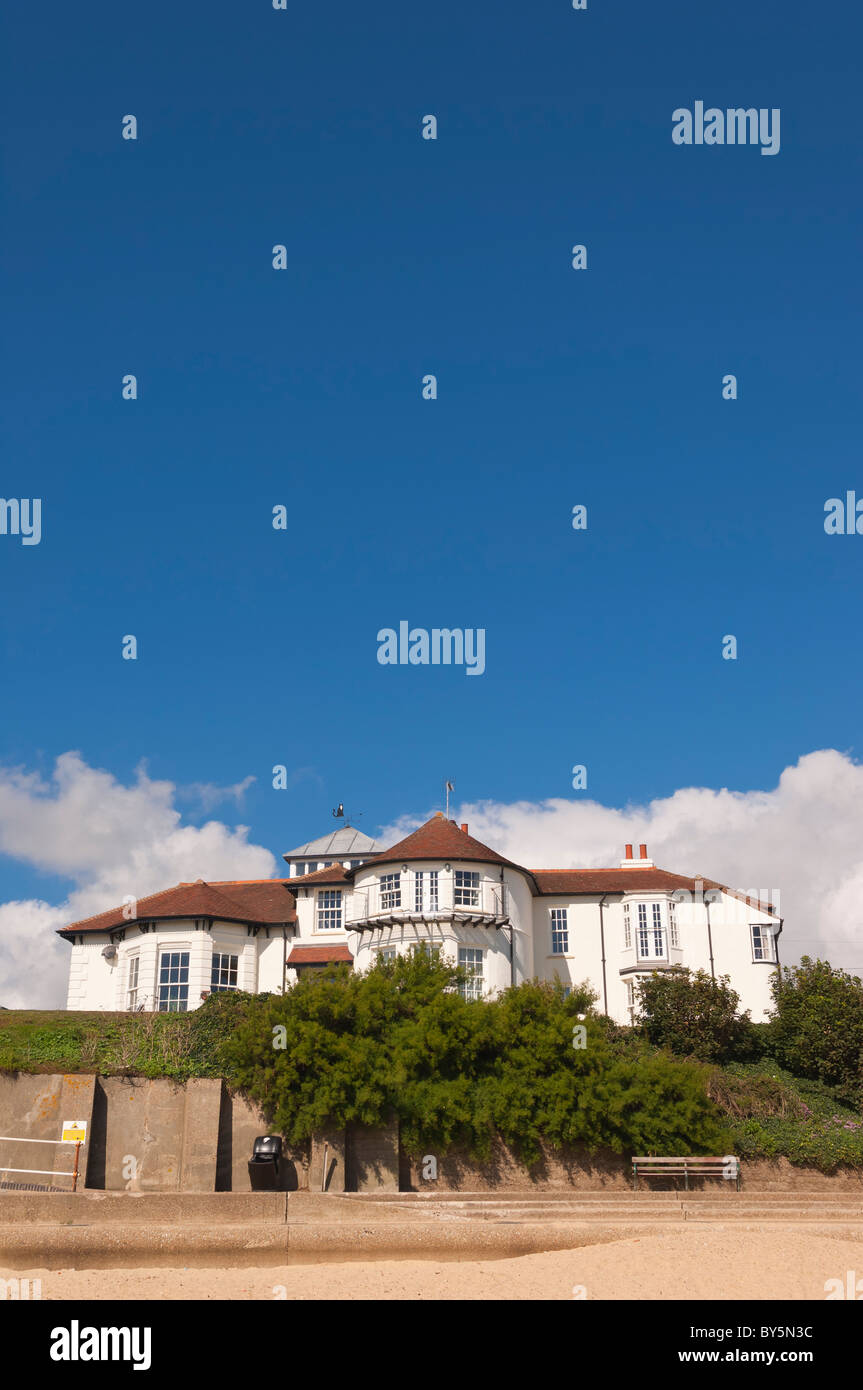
(464, 828)
(642, 862)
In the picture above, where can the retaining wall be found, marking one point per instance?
(34, 1107)
(157, 1136)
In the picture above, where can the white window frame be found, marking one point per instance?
(469, 958)
(426, 890)
(181, 985)
(660, 949)
(391, 891)
(651, 941)
(466, 888)
(224, 984)
(559, 932)
(642, 945)
(434, 890)
(329, 909)
(630, 999)
(673, 925)
(133, 976)
(767, 937)
(627, 928)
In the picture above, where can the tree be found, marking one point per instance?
(694, 1015)
(816, 1029)
(533, 1066)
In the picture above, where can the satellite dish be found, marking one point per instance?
(109, 952)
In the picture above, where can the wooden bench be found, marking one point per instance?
(648, 1167)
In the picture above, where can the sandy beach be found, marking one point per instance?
(715, 1263)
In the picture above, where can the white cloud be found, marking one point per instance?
(210, 795)
(803, 837)
(109, 840)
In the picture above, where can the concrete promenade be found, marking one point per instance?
(103, 1230)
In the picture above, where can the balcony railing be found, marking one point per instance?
(376, 904)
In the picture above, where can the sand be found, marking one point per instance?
(715, 1263)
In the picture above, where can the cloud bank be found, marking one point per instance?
(803, 838)
(110, 840)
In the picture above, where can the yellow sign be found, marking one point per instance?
(74, 1131)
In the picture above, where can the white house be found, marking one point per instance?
(345, 900)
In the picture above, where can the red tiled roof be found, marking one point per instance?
(440, 839)
(561, 882)
(267, 900)
(264, 901)
(318, 955)
(610, 880)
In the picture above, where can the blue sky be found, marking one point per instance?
(258, 647)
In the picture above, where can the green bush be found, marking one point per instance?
(773, 1114)
(401, 1040)
(816, 1030)
(694, 1015)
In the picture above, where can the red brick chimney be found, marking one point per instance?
(464, 828)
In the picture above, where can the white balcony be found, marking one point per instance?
(484, 905)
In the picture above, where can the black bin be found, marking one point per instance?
(265, 1163)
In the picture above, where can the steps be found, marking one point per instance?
(652, 1207)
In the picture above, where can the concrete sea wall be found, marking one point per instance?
(152, 1136)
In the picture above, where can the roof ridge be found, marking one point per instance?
(613, 869)
(222, 882)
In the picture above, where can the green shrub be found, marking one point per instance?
(816, 1029)
(694, 1015)
(402, 1041)
(773, 1114)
